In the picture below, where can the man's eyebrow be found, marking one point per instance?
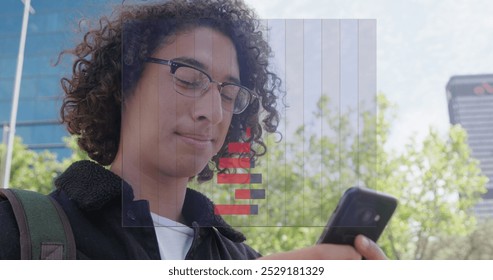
(192, 62)
(195, 63)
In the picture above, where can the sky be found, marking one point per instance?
(420, 45)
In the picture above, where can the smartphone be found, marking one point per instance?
(359, 211)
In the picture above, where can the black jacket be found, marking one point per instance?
(108, 223)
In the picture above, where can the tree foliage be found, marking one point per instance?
(435, 180)
(31, 170)
(478, 245)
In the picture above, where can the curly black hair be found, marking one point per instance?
(94, 93)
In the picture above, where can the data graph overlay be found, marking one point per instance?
(327, 128)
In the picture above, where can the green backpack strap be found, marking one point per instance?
(45, 232)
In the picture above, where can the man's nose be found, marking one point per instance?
(209, 105)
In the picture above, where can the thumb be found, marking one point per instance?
(368, 249)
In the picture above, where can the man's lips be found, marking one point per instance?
(198, 137)
(199, 140)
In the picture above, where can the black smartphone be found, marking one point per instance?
(359, 211)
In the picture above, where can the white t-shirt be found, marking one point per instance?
(174, 239)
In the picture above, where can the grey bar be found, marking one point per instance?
(257, 194)
(255, 178)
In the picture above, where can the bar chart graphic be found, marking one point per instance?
(242, 179)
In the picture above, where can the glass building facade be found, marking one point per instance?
(52, 28)
(470, 101)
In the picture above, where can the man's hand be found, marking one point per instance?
(363, 247)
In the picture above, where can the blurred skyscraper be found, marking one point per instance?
(50, 30)
(470, 102)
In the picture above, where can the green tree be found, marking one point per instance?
(77, 153)
(439, 182)
(478, 245)
(436, 182)
(31, 170)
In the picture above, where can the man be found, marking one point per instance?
(158, 93)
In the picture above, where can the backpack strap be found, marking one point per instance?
(45, 231)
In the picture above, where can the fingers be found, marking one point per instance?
(363, 247)
(318, 252)
(368, 249)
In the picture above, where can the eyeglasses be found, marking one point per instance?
(193, 82)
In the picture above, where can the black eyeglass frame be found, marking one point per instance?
(174, 65)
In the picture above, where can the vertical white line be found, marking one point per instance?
(15, 98)
(303, 113)
(285, 124)
(358, 100)
(265, 181)
(337, 93)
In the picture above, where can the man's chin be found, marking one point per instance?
(189, 170)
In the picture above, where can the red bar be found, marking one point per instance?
(234, 163)
(233, 178)
(248, 132)
(242, 194)
(236, 147)
(486, 86)
(232, 209)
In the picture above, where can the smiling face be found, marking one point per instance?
(165, 133)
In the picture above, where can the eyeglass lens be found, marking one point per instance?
(193, 83)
